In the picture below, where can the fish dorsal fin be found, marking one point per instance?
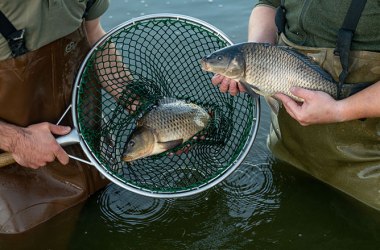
(167, 100)
(308, 61)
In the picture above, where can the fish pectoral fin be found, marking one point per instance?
(249, 89)
(273, 104)
(169, 144)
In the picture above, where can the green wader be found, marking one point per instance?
(344, 155)
(36, 87)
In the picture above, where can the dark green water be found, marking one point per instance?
(262, 205)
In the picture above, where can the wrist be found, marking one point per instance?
(346, 112)
(9, 135)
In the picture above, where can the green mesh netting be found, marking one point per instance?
(141, 62)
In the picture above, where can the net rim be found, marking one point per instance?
(129, 186)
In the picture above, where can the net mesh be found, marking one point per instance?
(129, 72)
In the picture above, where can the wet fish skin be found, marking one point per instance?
(269, 69)
(169, 124)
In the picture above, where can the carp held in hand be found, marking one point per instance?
(267, 69)
(169, 124)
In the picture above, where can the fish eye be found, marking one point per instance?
(131, 143)
(220, 58)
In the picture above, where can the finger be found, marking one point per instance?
(20, 161)
(62, 156)
(302, 93)
(33, 166)
(287, 108)
(233, 89)
(282, 97)
(36, 165)
(224, 85)
(59, 130)
(241, 87)
(290, 105)
(186, 149)
(50, 158)
(216, 79)
(133, 106)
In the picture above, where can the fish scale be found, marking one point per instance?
(170, 120)
(269, 69)
(284, 68)
(167, 125)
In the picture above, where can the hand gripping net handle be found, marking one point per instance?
(142, 61)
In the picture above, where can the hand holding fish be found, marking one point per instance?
(266, 69)
(227, 84)
(318, 107)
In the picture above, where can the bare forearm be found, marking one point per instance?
(112, 72)
(8, 136)
(364, 104)
(262, 27)
(94, 31)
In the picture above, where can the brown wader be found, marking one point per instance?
(344, 155)
(36, 87)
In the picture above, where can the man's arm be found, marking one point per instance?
(94, 31)
(112, 72)
(318, 107)
(261, 26)
(35, 145)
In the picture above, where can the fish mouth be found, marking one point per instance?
(129, 158)
(204, 64)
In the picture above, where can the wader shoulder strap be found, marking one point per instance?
(345, 34)
(280, 19)
(14, 37)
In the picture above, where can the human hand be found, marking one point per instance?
(36, 145)
(227, 85)
(318, 107)
(132, 104)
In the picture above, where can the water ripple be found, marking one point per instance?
(125, 211)
(251, 193)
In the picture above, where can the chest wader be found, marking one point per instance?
(36, 87)
(344, 155)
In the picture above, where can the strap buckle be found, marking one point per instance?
(16, 43)
(280, 19)
(343, 51)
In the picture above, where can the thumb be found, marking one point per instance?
(302, 93)
(59, 130)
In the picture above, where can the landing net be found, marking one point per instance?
(140, 62)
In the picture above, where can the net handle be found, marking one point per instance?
(66, 140)
(6, 159)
